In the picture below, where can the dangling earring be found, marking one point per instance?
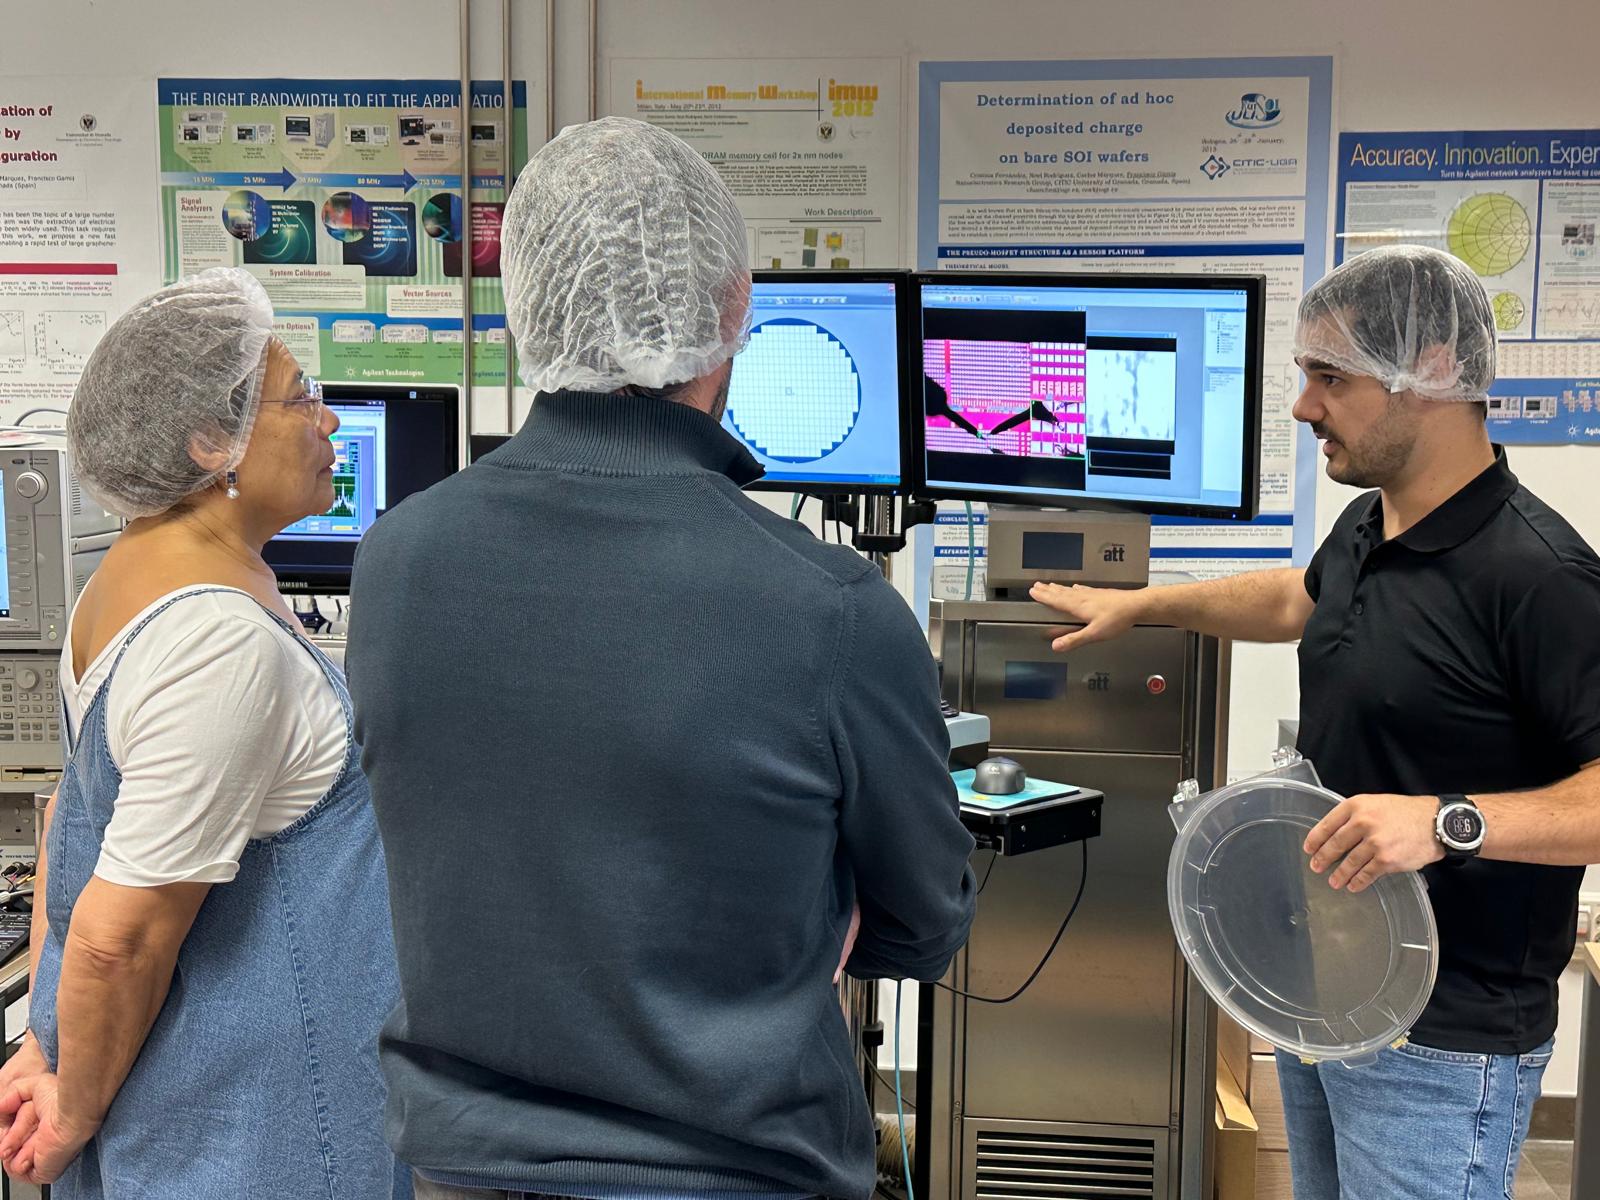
(233, 485)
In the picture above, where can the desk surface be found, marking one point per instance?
(1591, 959)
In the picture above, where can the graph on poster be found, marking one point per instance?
(1570, 312)
(1490, 232)
(69, 337)
(13, 339)
(1510, 312)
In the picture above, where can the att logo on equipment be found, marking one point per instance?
(1255, 111)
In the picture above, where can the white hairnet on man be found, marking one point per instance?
(1416, 319)
(624, 261)
(200, 346)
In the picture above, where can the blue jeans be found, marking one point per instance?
(428, 1190)
(1418, 1124)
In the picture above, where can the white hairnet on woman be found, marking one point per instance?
(1416, 319)
(176, 379)
(624, 262)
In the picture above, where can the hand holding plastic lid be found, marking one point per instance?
(1320, 972)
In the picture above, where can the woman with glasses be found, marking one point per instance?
(213, 956)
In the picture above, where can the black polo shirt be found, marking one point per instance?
(1463, 656)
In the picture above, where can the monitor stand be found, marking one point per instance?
(872, 522)
(1028, 545)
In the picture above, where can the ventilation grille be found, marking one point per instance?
(78, 503)
(1064, 1166)
(83, 566)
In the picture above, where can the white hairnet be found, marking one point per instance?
(179, 373)
(624, 261)
(1413, 318)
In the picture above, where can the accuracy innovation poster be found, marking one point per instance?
(1183, 165)
(75, 205)
(344, 198)
(811, 148)
(1519, 207)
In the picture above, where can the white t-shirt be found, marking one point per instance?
(224, 729)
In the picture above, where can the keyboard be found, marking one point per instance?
(15, 926)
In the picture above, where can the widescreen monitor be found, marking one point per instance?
(1134, 391)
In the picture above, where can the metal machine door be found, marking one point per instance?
(1123, 695)
(1094, 1039)
(1095, 1082)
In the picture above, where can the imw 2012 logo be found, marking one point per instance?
(1256, 111)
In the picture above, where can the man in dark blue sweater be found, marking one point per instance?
(638, 746)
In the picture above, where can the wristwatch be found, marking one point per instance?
(1459, 827)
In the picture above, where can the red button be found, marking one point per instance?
(1155, 685)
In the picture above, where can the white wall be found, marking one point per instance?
(1415, 64)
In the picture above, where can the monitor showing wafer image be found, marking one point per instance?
(817, 395)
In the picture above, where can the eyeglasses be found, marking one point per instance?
(309, 401)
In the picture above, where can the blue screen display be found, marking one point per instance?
(815, 396)
(359, 477)
(5, 574)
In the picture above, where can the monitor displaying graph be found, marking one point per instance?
(392, 442)
(358, 476)
(1135, 391)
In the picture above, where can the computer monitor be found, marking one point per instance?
(817, 396)
(1136, 391)
(392, 441)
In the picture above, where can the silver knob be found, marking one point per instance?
(27, 679)
(31, 485)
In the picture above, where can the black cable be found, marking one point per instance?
(989, 870)
(1054, 942)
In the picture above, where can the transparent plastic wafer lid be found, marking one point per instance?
(1320, 973)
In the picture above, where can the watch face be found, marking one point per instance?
(1462, 825)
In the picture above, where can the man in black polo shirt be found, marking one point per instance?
(1450, 686)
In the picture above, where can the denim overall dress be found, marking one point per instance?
(260, 1075)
